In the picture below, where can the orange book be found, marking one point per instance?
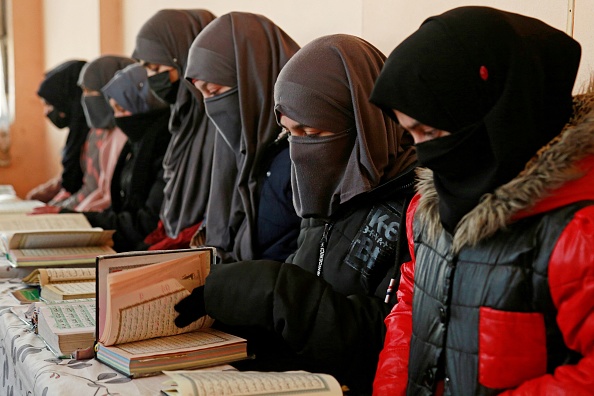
(136, 333)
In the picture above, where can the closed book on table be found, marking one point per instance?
(67, 326)
(136, 334)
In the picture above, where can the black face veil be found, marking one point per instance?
(60, 89)
(500, 82)
(326, 86)
(165, 39)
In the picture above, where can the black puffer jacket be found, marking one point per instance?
(329, 323)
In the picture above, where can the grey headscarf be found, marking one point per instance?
(246, 51)
(326, 85)
(130, 89)
(94, 76)
(165, 39)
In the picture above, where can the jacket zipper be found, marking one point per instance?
(323, 245)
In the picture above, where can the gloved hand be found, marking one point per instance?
(190, 308)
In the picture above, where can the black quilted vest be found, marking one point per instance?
(506, 272)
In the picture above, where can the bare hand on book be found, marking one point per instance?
(46, 209)
(190, 308)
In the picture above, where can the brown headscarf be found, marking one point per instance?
(246, 51)
(326, 85)
(165, 39)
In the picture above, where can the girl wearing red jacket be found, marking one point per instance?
(499, 295)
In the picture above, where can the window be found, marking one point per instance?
(6, 113)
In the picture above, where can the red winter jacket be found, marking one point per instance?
(571, 282)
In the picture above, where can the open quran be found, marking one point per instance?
(215, 383)
(136, 333)
(52, 240)
(63, 283)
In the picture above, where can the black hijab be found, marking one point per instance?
(165, 39)
(245, 51)
(146, 129)
(500, 83)
(60, 89)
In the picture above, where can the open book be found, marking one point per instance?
(136, 332)
(215, 383)
(52, 239)
(63, 283)
(67, 326)
(16, 205)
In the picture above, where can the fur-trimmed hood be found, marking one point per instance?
(564, 161)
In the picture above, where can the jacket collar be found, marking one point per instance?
(561, 163)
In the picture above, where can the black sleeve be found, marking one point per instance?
(72, 173)
(341, 334)
(132, 226)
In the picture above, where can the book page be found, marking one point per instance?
(73, 288)
(179, 342)
(127, 307)
(129, 261)
(69, 317)
(60, 239)
(18, 206)
(208, 342)
(10, 223)
(58, 253)
(44, 276)
(214, 383)
(190, 271)
(64, 275)
(146, 313)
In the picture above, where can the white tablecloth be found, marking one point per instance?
(27, 367)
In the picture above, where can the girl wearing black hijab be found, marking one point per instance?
(108, 139)
(162, 46)
(352, 174)
(61, 96)
(137, 183)
(503, 261)
(251, 214)
(104, 143)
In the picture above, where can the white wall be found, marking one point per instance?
(73, 26)
(388, 22)
(303, 20)
(384, 23)
(584, 34)
(72, 32)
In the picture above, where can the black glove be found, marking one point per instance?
(190, 308)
